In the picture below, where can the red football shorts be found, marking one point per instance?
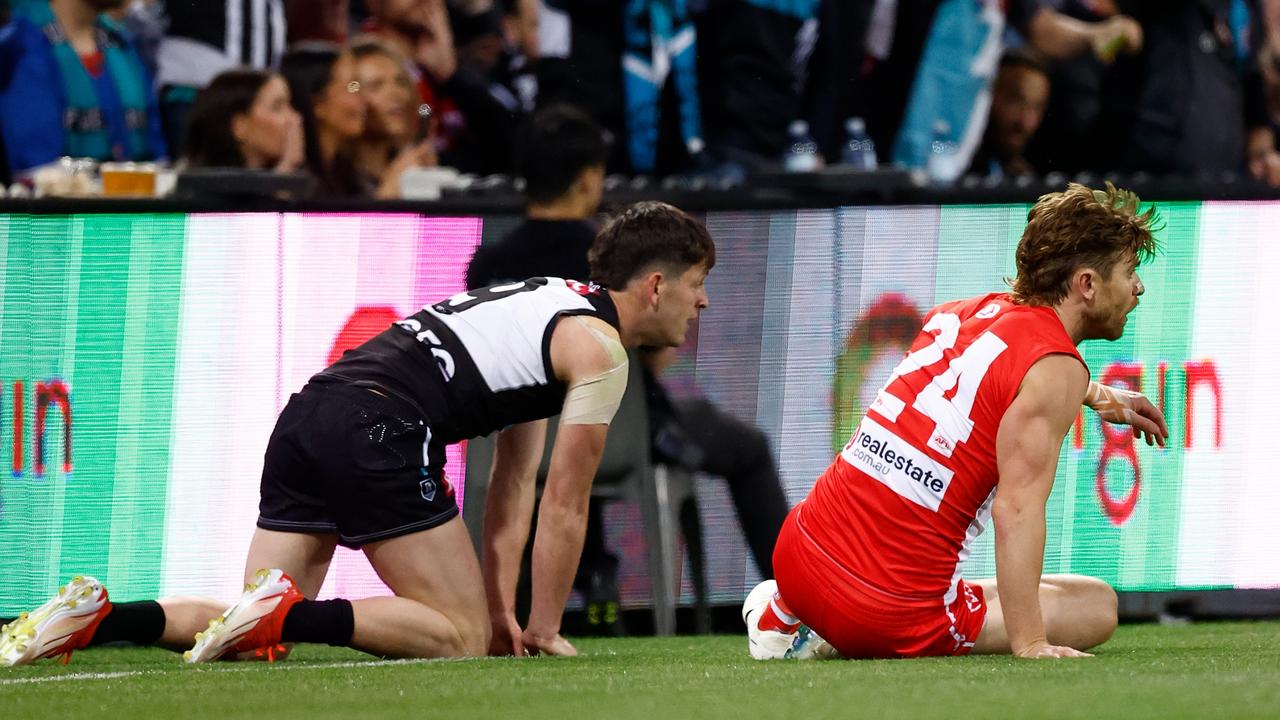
(862, 621)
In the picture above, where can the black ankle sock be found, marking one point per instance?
(140, 623)
(319, 621)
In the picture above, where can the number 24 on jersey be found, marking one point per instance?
(947, 400)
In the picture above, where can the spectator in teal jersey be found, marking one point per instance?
(72, 83)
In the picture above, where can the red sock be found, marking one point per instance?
(777, 616)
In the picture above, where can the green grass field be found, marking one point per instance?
(1219, 670)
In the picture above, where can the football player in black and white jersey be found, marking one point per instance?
(357, 459)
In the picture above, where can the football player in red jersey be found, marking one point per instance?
(968, 428)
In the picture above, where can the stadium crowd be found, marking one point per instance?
(355, 92)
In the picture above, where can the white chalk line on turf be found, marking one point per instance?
(76, 676)
(239, 667)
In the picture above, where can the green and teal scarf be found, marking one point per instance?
(82, 120)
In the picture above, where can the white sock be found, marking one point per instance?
(783, 616)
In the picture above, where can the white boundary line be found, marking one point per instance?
(240, 667)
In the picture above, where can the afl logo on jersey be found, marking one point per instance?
(988, 312)
(583, 289)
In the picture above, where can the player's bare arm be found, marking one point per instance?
(1126, 407)
(589, 359)
(1027, 447)
(508, 507)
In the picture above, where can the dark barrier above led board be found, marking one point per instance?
(143, 359)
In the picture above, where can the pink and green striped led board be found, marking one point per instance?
(144, 358)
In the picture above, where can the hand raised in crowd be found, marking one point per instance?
(1116, 34)
(434, 49)
(1264, 166)
(295, 148)
(422, 154)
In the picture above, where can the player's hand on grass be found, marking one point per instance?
(507, 637)
(1043, 650)
(1125, 407)
(553, 644)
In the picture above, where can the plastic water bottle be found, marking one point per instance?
(944, 162)
(803, 154)
(859, 150)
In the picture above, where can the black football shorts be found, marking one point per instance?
(348, 460)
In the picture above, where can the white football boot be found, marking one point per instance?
(764, 644)
(253, 624)
(63, 624)
(803, 644)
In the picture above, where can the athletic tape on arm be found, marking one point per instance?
(1112, 404)
(594, 400)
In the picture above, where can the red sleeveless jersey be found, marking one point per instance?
(913, 487)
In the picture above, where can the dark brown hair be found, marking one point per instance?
(308, 70)
(557, 144)
(1078, 228)
(209, 142)
(648, 235)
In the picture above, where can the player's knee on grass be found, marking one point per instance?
(474, 638)
(413, 631)
(1101, 599)
(1088, 607)
(471, 633)
(1106, 603)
